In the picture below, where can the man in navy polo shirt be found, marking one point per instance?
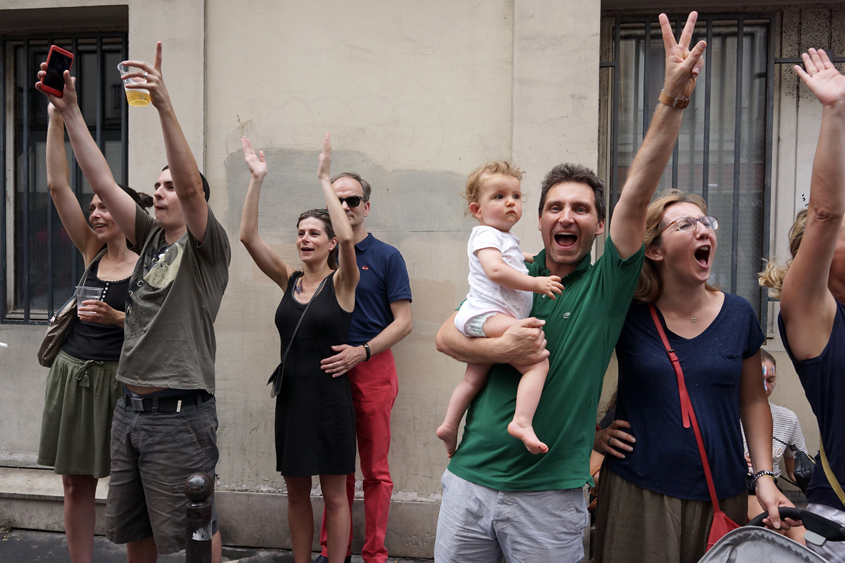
(382, 318)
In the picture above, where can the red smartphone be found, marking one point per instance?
(58, 61)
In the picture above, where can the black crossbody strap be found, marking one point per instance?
(792, 447)
(302, 316)
(99, 255)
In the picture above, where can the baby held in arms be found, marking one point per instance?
(500, 294)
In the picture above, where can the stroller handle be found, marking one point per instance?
(828, 529)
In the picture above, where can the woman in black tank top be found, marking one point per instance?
(81, 387)
(315, 420)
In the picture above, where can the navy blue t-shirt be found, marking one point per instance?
(665, 459)
(823, 379)
(384, 279)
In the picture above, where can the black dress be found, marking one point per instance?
(315, 419)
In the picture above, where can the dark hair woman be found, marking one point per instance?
(315, 419)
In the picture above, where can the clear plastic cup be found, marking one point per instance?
(85, 293)
(138, 97)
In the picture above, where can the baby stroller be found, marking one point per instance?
(752, 542)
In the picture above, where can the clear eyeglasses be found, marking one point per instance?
(688, 223)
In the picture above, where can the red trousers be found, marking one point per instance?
(374, 389)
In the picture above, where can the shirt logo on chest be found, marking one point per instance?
(165, 267)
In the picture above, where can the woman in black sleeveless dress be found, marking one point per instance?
(315, 419)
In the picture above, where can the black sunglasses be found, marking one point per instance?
(351, 201)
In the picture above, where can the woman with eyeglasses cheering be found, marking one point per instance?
(653, 499)
(315, 419)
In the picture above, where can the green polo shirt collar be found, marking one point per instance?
(539, 266)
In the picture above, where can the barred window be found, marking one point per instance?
(41, 265)
(724, 151)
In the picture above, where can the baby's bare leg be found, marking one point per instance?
(475, 377)
(527, 397)
(528, 393)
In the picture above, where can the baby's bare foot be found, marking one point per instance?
(449, 435)
(528, 437)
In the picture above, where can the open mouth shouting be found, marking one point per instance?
(702, 256)
(566, 240)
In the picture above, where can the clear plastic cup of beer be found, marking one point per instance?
(138, 97)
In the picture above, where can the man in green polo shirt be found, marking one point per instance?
(499, 499)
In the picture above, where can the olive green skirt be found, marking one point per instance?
(78, 408)
(635, 525)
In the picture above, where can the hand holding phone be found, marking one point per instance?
(58, 61)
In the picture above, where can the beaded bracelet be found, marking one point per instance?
(759, 474)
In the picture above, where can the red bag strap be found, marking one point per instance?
(687, 412)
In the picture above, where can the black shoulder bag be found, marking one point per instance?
(59, 324)
(803, 466)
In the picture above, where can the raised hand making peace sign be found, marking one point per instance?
(682, 64)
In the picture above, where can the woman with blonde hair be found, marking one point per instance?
(812, 294)
(654, 502)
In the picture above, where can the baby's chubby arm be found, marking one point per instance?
(499, 272)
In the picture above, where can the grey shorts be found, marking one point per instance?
(479, 524)
(152, 454)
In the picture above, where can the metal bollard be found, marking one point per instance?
(198, 487)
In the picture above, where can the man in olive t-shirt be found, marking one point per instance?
(165, 427)
(499, 499)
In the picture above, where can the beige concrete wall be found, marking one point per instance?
(415, 95)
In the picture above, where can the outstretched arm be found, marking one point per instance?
(58, 182)
(806, 303)
(90, 159)
(682, 68)
(757, 421)
(264, 257)
(183, 167)
(346, 278)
